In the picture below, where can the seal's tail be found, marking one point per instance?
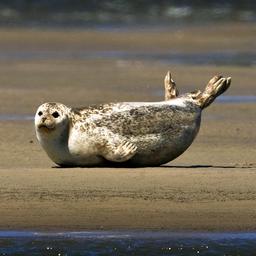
(215, 87)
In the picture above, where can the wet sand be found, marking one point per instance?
(212, 186)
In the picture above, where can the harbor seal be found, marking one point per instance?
(127, 133)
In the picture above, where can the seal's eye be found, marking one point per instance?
(55, 114)
(40, 113)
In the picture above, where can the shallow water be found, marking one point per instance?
(93, 13)
(15, 117)
(197, 58)
(237, 99)
(127, 243)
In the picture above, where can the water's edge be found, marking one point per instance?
(237, 99)
(127, 243)
(179, 58)
(216, 235)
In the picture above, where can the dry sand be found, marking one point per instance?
(212, 186)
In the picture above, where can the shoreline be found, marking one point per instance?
(126, 233)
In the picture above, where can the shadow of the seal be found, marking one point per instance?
(250, 166)
(209, 166)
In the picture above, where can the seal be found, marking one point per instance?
(127, 133)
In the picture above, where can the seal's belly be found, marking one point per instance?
(152, 149)
(160, 148)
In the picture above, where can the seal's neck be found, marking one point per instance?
(55, 144)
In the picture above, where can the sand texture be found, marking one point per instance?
(212, 186)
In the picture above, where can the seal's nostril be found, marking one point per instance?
(55, 114)
(43, 119)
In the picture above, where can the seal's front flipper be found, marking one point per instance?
(215, 87)
(119, 152)
(171, 90)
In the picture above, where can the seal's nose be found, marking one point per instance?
(43, 119)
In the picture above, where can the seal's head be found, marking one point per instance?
(51, 118)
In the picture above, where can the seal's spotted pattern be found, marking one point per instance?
(133, 133)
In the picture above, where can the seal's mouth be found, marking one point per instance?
(46, 128)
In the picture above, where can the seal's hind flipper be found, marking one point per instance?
(171, 90)
(119, 153)
(215, 87)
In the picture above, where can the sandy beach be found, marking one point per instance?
(212, 186)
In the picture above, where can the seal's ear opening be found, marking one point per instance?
(215, 87)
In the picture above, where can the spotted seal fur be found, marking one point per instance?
(131, 133)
